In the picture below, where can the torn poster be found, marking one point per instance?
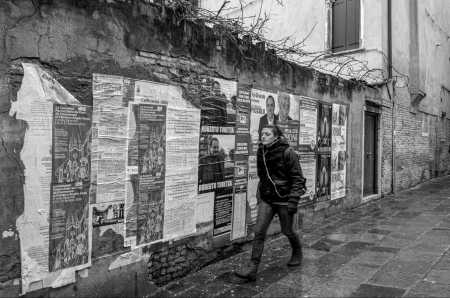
(36, 98)
(173, 141)
(109, 156)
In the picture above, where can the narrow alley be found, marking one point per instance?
(394, 247)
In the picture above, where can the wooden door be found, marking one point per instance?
(370, 154)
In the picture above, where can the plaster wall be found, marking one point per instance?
(308, 22)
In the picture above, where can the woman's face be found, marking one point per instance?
(267, 136)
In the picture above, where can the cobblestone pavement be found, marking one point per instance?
(394, 247)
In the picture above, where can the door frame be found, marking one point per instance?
(369, 107)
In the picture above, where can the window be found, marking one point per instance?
(345, 25)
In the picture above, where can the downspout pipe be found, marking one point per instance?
(389, 37)
(392, 97)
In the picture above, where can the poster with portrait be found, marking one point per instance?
(69, 193)
(218, 103)
(323, 177)
(324, 128)
(263, 106)
(288, 114)
(307, 139)
(338, 151)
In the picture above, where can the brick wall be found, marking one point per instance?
(386, 150)
(421, 142)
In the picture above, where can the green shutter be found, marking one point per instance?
(339, 26)
(353, 24)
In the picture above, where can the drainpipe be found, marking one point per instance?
(389, 37)
(391, 97)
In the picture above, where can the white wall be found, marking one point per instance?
(297, 18)
(434, 51)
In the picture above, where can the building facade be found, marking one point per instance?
(145, 96)
(401, 45)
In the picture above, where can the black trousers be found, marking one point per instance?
(266, 213)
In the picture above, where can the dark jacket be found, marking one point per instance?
(263, 122)
(285, 171)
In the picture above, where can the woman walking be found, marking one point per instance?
(281, 183)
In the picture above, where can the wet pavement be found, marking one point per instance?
(394, 247)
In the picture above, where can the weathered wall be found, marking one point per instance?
(72, 40)
(308, 22)
(421, 148)
(430, 47)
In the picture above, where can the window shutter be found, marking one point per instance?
(338, 27)
(353, 21)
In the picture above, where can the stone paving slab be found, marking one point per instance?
(394, 247)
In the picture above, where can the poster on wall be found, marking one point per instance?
(338, 151)
(217, 148)
(151, 128)
(323, 174)
(287, 112)
(36, 98)
(309, 166)
(109, 138)
(182, 151)
(238, 227)
(262, 105)
(107, 228)
(109, 157)
(162, 164)
(324, 128)
(69, 195)
(308, 125)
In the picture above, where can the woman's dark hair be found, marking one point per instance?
(276, 130)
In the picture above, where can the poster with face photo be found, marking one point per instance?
(218, 103)
(288, 113)
(263, 106)
(216, 175)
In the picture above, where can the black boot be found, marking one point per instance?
(297, 254)
(248, 272)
